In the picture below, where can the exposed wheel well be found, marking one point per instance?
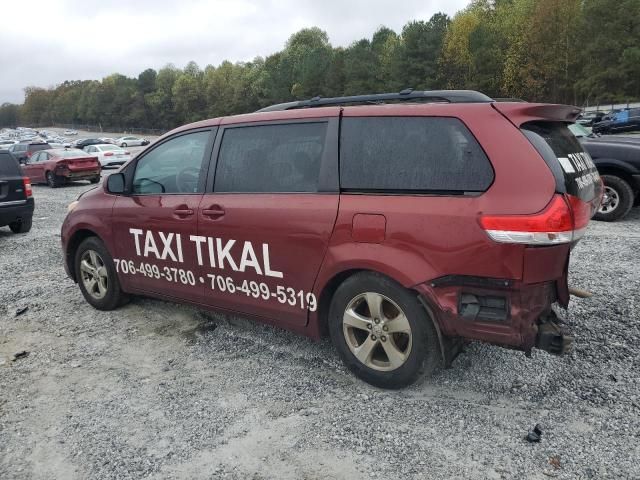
(324, 302)
(618, 172)
(330, 288)
(72, 247)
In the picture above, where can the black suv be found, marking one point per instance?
(16, 200)
(22, 151)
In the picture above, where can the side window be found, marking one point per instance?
(173, 167)
(271, 158)
(34, 158)
(411, 154)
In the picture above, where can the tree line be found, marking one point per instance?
(562, 51)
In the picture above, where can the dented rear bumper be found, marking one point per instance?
(508, 313)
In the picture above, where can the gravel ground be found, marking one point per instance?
(157, 390)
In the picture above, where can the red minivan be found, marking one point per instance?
(402, 225)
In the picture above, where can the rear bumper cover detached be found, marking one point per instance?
(501, 312)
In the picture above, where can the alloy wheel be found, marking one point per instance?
(610, 200)
(377, 331)
(94, 274)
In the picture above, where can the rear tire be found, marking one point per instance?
(21, 226)
(124, 145)
(382, 332)
(619, 198)
(94, 179)
(53, 180)
(96, 275)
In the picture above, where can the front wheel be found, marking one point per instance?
(96, 275)
(617, 200)
(94, 179)
(123, 145)
(383, 334)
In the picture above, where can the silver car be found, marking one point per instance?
(131, 142)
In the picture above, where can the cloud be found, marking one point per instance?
(89, 39)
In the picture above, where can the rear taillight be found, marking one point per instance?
(563, 220)
(108, 154)
(127, 153)
(27, 186)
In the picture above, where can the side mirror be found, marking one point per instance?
(115, 183)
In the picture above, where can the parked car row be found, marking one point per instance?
(614, 121)
(401, 231)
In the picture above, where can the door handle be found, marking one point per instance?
(183, 212)
(213, 212)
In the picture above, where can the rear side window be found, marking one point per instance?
(8, 165)
(411, 154)
(271, 158)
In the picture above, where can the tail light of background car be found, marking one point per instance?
(108, 154)
(27, 187)
(563, 220)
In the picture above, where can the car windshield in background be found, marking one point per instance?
(69, 153)
(578, 130)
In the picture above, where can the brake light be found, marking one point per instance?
(108, 154)
(27, 187)
(126, 153)
(563, 220)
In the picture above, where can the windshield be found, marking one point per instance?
(578, 130)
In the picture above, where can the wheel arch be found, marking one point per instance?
(617, 169)
(331, 285)
(72, 247)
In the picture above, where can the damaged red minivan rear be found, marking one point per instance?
(402, 225)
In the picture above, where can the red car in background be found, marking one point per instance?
(55, 167)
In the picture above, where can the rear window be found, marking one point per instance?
(8, 165)
(411, 154)
(69, 153)
(36, 147)
(572, 167)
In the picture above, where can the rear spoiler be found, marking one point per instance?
(519, 113)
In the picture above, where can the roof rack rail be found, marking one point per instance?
(408, 95)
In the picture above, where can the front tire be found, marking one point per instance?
(618, 199)
(94, 180)
(96, 275)
(124, 145)
(21, 226)
(382, 332)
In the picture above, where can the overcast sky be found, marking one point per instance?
(44, 42)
